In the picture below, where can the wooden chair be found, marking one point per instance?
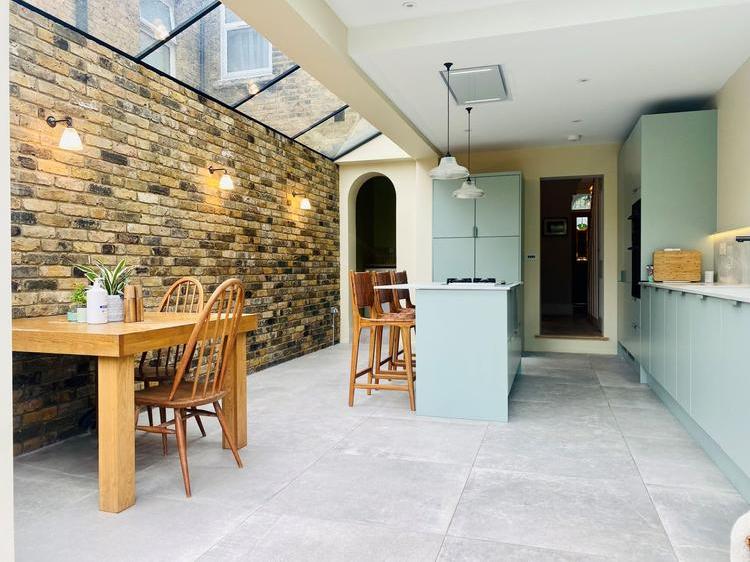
(389, 297)
(401, 302)
(184, 295)
(201, 372)
(363, 297)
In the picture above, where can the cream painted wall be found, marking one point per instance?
(733, 176)
(6, 387)
(557, 162)
(413, 218)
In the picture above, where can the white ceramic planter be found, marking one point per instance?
(81, 314)
(115, 309)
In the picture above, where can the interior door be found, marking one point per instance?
(499, 257)
(451, 217)
(499, 211)
(452, 257)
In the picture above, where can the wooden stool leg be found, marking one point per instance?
(406, 334)
(375, 334)
(182, 448)
(355, 357)
(393, 347)
(377, 358)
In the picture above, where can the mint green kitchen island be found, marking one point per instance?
(468, 345)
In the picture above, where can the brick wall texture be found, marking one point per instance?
(140, 189)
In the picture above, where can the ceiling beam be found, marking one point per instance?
(311, 34)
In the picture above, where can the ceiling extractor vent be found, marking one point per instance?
(480, 84)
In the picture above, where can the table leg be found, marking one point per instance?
(235, 402)
(116, 428)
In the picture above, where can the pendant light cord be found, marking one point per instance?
(468, 111)
(448, 106)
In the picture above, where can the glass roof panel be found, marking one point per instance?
(128, 25)
(221, 56)
(338, 134)
(292, 104)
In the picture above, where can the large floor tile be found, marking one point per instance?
(39, 492)
(540, 389)
(457, 549)
(698, 521)
(569, 450)
(633, 397)
(415, 440)
(626, 378)
(676, 463)
(562, 513)
(586, 377)
(420, 496)
(266, 537)
(642, 422)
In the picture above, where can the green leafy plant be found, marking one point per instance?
(113, 279)
(78, 296)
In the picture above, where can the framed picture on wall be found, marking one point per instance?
(555, 227)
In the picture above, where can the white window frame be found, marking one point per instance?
(225, 29)
(148, 28)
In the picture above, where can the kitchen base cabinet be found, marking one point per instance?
(695, 355)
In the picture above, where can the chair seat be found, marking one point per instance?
(401, 315)
(159, 396)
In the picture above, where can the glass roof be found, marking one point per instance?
(207, 47)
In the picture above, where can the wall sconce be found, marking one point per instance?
(304, 202)
(225, 181)
(69, 139)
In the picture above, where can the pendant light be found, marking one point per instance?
(468, 189)
(448, 169)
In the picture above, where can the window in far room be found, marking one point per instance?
(157, 20)
(245, 53)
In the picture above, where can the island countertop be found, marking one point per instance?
(453, 286)
(738, 293)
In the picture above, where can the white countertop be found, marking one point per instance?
(739, 293)
(453, 286)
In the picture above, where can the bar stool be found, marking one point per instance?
(363, 297)
(399, 295)
(389, 297)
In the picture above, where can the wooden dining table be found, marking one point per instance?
(116, 345)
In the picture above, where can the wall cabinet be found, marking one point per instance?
(696, 349)
(478, 238)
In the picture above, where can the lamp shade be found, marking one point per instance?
(304, 204)
(225, 182)
(70, 139)
(468, 190)
(449, 169)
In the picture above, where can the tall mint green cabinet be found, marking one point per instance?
(481, 237)
(668, 163)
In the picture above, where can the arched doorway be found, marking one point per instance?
(376, 225)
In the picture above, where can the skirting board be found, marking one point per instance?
(734, 473)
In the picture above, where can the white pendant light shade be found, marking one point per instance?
(69, 140)
(468, 190)
(304, 204)
(225, 182)
(449, 169)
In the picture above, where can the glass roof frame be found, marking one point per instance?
(175, 32)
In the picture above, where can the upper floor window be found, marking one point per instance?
(157, 20)
(244, 52)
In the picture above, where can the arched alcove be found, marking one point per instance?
(375, 225)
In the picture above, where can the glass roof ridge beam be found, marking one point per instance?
(267, 85)
(321, 121)
(177, 30)
(356, 146)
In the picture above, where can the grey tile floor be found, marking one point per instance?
(590, 467)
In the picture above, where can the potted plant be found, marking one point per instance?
(78, 298)
(114, 281)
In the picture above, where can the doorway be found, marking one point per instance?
(376, 225)
(570, 254)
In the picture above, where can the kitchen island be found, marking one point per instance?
(468, 342)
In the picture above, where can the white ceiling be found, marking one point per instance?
(639, 56)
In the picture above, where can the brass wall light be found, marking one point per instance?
(225, 182)
(304, 202)
(69, 140)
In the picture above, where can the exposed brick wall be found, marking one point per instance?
(140, 189)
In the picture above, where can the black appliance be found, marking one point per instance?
(470, 280)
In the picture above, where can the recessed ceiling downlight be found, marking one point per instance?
(574, 138)
(479, 84)
(409, 4)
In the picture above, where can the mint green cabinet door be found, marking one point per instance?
(670, 342)
(683, 323)
(706, 405)
(645, 357)
(499, 257)
(452, 257)
(658, 343)
(451, 218)
(499, 211)
(732, 383)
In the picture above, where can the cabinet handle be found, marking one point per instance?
(738, 304)
(476, 231)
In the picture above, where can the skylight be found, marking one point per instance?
(210, 50)
(479, 84)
